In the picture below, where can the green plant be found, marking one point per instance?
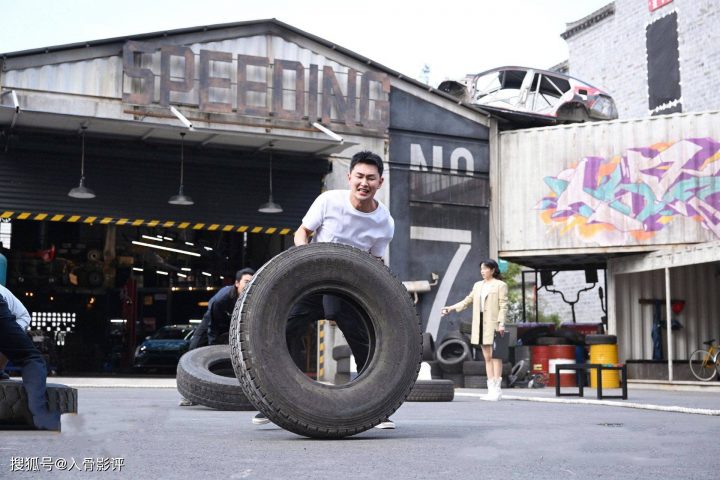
(514, 312)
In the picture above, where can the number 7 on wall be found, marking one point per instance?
(464, 238)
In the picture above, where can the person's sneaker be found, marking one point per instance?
(386, 425)
(184, 402)
(260, 419)
(47, 421)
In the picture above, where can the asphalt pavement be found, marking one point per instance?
(134, 428)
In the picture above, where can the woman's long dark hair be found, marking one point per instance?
(490, 263)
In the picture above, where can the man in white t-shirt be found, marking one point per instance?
(351, 217)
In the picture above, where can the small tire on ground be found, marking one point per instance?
(199, 379)
(432, 391)
(519, 372)
(267, 373)
(14, 412)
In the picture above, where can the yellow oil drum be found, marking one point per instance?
(604, 354)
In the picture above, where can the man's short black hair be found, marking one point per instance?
(245, 271)
(369, 158)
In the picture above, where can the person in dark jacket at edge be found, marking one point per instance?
(16, 345)
(215, 324)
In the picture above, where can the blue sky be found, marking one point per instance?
(453, 38)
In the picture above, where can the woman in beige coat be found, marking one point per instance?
(489, 298)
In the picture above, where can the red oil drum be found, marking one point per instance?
(558, 354)
(539, 360)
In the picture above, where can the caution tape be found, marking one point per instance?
(321, 349)
(89, 219)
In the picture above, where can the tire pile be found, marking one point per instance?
(454, 360)
(545, 335)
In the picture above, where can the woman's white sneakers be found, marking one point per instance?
(494, 391)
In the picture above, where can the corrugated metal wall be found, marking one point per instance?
(134, 180)
(529, 157)
(98, 77)
(698, 285)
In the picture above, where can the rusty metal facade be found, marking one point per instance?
(276, 78)
(259, 75)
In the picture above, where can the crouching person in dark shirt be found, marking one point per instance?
(17, 346)
(215, 325)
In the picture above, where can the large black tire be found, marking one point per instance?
(14, 410)
(452, 353)
(428, 354)
(432, 391)
(199, 379)
(266, 371)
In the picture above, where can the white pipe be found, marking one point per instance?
(328, 132)
(182, 118)
(668, 322)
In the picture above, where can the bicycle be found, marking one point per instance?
(705, 364)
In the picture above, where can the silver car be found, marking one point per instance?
(522, 94)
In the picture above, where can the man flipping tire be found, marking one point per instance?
(351, 217)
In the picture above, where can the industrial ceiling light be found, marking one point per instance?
(81, 191)
(270, 206)
(181, 198)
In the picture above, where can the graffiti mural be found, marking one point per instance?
(633, 196)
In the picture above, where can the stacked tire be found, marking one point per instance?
(436, 389)
(455, 360)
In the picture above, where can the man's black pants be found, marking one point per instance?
(17, 346)
(329, 307)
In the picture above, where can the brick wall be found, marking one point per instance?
(588, 308)
(612, 54)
